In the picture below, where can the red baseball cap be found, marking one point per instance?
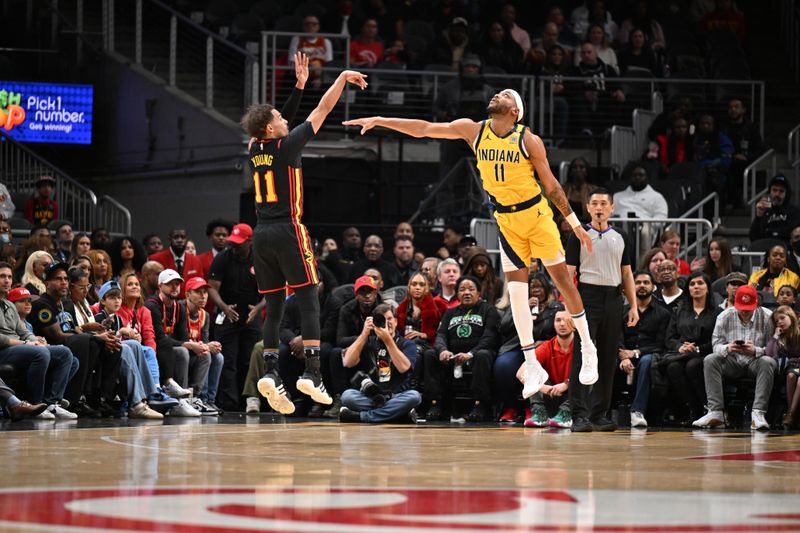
(746, 298)
(241, 233)
(365, 281)
(196, 283)
(18, 293)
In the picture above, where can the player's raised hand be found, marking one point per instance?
(365, 123)
(301, 69)
(584, 237)
(356, 78)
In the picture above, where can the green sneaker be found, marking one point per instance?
(563, 419)
(538, 418)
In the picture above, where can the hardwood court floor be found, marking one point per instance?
(269, 474)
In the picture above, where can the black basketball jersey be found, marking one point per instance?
(275, 165)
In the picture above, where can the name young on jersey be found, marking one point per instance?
(499, 156)
(260, 160)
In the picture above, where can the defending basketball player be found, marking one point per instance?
(508, 154)
(282, 253)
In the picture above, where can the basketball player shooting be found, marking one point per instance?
(282, 253)
(509, 158)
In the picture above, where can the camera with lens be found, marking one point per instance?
(378, 320)
(361, 381)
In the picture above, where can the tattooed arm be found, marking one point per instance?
(552, 189)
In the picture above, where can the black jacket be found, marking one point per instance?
(480, 334)
(685, 327)
(650, 333)
(351, 322)
(777, 223)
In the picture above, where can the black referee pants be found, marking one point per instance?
(604, 313)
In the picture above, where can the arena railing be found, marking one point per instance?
(790, 28)
(623, 146)
(20, 167)
(164, 44)
(793, 145)
(767, 161)
(750, 261)
(696, 233)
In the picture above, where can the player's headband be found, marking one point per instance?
(518, 102)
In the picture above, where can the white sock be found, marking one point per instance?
(582, 326)
(518, 294)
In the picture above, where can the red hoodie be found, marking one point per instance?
(141, 320)
(431, 311)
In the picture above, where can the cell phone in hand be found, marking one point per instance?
(740, 343)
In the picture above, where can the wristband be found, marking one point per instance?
(572, 218)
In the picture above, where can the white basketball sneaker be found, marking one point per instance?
(588, 374)
(535, 377)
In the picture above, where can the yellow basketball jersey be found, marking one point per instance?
(505, 168)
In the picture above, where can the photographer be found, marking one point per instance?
(386, 361)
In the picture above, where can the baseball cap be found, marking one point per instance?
(471, 60)
(365, 281)
(54, 267)
(736, 277)
(779, 179)
(107, 287)
(468, 240)
(196, 283)
(746, 298)
(459, 21)
(45, 179)
(18, 293)
(241, 233)
(168, 275)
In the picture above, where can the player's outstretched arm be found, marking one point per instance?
(332, 95)
(552, 188)
(458, 129)
(289, 109)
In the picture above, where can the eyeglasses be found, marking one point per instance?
(667, 269)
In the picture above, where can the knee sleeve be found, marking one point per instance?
(308, 302)
(274, 308)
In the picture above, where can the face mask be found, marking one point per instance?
(796, 247)
(5, 238)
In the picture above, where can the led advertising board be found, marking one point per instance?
(46, 112)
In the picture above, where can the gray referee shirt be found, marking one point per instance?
(610, 251)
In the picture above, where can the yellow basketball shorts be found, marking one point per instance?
(527, 234)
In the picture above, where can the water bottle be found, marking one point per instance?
(409, 329)
(458, 372)
(629, 379)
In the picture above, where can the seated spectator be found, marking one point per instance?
(733, 281)
(18, 409)
(713, 150)
(674, 147)
(465, 244)
(671, 244)
(152, 244)
(784, 347)
(7, 206)
(418, 316)
(725, 17)
(640, 200)
(468, 337)
(597, 36)
(217, 232)
(774, 273)
(65, 236)
(451, 238)
(478, 264)
(670, 293)
(133, 371)
(84, 262)
(41, 208)
(127, 256)
(638, 53)
(498, 49)
(81, 245)
(747, 146)
(598, 14)
(386, 363)
(537, 55)
(198, 322)
(739, 343)
(47, 369)
(464, 96)
(21, 298)
(176, 258)
(150, 272)
(642, 343)
(448, 273)
(454, 44)
(373, 250)
(718, 261)
(557, 65)
(597, 92)
(577, 187)
(404, 262)
(650, 261)
(787, 295)
(100, 238)
(101, 268)
(565, 34)
(688, 341)
(775, 215)
(555, 356)
(350, 324)
(318, 49)
(428, 269)
(544, 305)
(649, 26)
(366, 49)
(508, 17)
(33, 278)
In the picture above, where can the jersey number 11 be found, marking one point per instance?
(269, 182)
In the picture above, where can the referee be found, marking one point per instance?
(602, 277)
